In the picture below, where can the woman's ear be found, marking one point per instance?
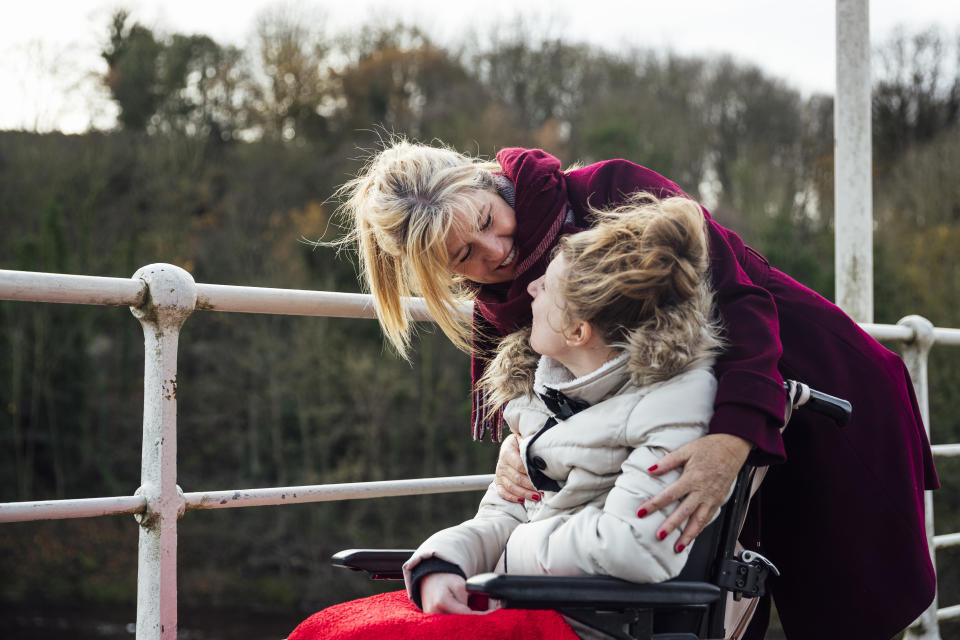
(580, 335)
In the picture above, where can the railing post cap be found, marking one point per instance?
(171, 293)
(923, 335)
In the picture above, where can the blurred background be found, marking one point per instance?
(213, 137)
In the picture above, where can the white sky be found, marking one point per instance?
(49, 48)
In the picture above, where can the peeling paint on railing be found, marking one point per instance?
(330, 492)
(77, 508)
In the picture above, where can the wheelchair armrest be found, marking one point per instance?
(381, 564)
(549, 592)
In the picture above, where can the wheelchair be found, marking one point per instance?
(691, 606)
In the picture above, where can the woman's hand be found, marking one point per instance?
(445, 593)
(513, 483)
(710, 466)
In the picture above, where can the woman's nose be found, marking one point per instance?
(534, 287)
(489, 248)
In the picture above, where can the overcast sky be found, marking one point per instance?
(790, 40)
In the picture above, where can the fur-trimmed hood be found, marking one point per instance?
(676, 340)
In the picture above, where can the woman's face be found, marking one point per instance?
(547, 335)
(483, 248)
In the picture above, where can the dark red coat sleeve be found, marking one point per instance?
(750, 397)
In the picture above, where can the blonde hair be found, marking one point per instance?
(401, 207)
(640, 277)
(637, 261)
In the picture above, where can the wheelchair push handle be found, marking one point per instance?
(801, 395)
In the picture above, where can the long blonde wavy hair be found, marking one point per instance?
(401, 207)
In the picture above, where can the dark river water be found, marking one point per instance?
(89, 623)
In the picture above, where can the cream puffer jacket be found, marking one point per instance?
(598, 459)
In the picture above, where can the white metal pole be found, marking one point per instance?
(915, 357)
(62, 509)
(233, 498)
(853, 193)
(172, 297)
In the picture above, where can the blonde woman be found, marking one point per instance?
(429, 221)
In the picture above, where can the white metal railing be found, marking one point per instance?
(162, 297)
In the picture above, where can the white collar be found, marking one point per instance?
(592, 387)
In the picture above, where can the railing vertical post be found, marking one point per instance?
(853, 194)
(171, 297)
(915, 356)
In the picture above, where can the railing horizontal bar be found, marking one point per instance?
(948, 612)
(946, 450)
(64, 509)
(331, 492)
(29, 286)
(946, 540)
(888, 332)
(218, 297)
(902, 333)
(946, 336)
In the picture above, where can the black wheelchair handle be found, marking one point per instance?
(836, 408)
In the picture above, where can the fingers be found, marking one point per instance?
(452, 606)
(511, 480)
(671, 461)
(697, 523)
(445, 593)
(668, 496)
(710, 467)
(681, 513)
(695, 512)
(514, 486)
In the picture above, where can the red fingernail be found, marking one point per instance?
(641, 513)
(520, 500)
(536, 497)
(653, 468)
(681, 547)
(661, 534)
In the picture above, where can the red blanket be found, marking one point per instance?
(392, 615)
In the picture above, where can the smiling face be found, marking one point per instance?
(547, 334)
(482, 245)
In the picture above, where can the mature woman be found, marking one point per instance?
(841, 513)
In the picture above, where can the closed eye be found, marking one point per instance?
(482, 227)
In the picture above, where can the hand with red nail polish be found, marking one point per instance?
(511, 480)
(709, 467)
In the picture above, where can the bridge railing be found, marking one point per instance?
(162, 296)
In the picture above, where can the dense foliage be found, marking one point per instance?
(223, 161)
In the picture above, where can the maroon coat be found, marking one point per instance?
(842, 511)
